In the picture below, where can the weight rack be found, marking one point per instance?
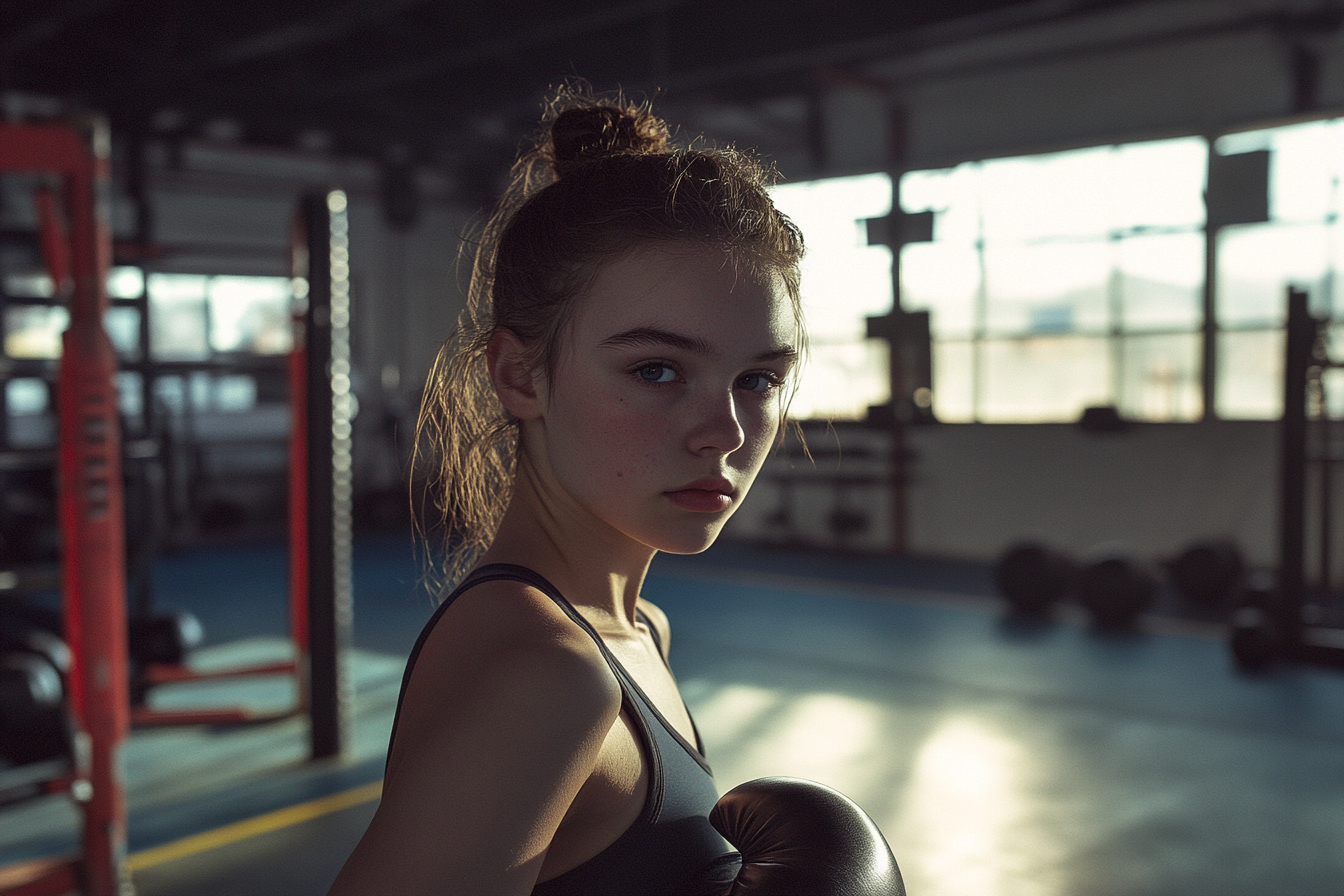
(1311, 445)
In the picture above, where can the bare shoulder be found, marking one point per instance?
(505, 641)
(502, 722)
(658, 619)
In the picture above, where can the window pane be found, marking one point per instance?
(171, 392)
(844, 281)
(1049, 378)
(1250, 375)
(130, 398)
(34, 331)
(954, 380)
(1048, 288)
(125, 283)
(250, 314)
(1333, 293)
(943, 278)
(177, 309)
(1159, 183)
(953, 193)
(1159, 377)
(123, 328)
(1304, 170)
(235, 392)
(1161, 281)
(27, 395)
(1062, 194)
(1305, 166)
(1332, 379)
(1257, 262)
(840, 381)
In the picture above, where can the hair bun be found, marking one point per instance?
(586, 133)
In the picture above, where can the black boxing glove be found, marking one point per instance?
(800, 838)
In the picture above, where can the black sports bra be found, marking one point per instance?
(671, 849)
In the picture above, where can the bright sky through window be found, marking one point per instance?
(844, 281)
(1043, 272)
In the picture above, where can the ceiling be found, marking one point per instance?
(449, 83)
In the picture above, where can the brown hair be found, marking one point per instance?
(601, 178)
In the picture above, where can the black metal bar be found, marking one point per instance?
(1208, 333)
(1324, 471)
(327, 339)
(1301, 336)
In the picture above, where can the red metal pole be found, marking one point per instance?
(92, 528)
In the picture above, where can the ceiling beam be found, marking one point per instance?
(550, 32)
(49, 26)
(304, 34)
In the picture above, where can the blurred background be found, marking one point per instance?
(1063, 149)
(1050, 246)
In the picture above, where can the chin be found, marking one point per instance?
(690, 543)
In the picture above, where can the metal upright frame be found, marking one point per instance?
(78, 249)
(1303, 610)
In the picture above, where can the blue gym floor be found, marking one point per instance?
(998, 759)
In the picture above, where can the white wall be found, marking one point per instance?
(975, 488)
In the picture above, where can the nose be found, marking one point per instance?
(716, 428)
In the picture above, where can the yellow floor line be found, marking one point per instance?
(252, 827)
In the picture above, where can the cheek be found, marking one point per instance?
(760, 428)
(611, 435)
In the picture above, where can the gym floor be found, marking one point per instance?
(998, 758)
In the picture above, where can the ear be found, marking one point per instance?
(513, 374)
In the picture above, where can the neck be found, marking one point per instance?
(595, 566)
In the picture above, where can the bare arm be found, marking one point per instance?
(503, 721)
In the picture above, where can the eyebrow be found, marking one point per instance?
(653, 336)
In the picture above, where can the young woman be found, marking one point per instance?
(617, 381)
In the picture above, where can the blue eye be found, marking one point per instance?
(757, 382)
(656, 373)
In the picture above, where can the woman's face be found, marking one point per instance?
(666, 395)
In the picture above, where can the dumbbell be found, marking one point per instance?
(34, 722)
(165, 637)
(1115, 588)
(1207, 572)
(1257, 638)
(1032, 577)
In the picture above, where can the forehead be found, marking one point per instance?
(689, 289)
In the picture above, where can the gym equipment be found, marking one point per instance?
(34, 721)
(1032, 577)
(36, 737)
(1115, 589)
(847, 519)
(321, 478)
(78, 250)
(164, 637)
(1207, 572)
(1256, 637)
(800, 837)
(1297, 622)
(320, 490)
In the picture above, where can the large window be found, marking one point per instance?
(1070, 279)
(1302, 244)
(1061, 281)
(192, 316)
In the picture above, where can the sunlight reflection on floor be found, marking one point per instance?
(951, 793)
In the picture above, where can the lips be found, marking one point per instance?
(710, 495)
